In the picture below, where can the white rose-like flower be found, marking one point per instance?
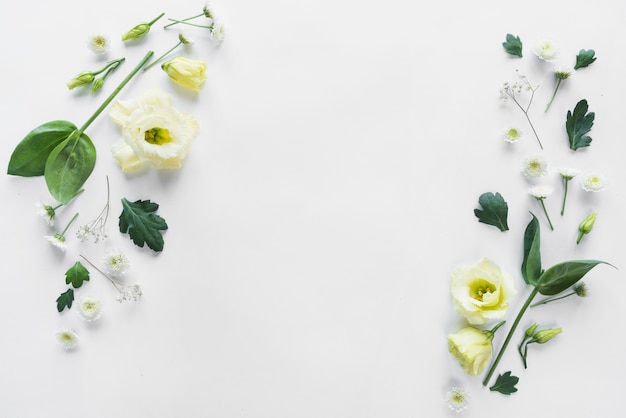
(472, 348)
(546, 51)
(481, 292)
(154, 134)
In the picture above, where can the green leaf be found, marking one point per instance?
(578, 124)
(76, 275)
(65, 300)
(531, 265)
(68, 167)
(513, 45)
(494, 210)
(142, 224)
(585, 58)
(564, 275)
(505, 384)
(30, 155)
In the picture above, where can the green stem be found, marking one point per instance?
(546, 212)
(558, 83)
(162, 56)
(565, 181)
(183, 20)
(190, 24)
(69, 223)
(495, 363)
(111, 64)
(525, 111)
(548, 300)
(155, 19)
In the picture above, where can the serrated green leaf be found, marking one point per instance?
(531, 264)
(30, 155)
(564, 275)
(494, 210)
(142, 224)
(68, 167)
(585, 58)
(77, 275)
(513, 45)
(65, 300)
(578, 124)
(505, 384)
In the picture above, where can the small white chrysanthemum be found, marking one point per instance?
(457, 399)
(546, 51)
(512, 134)
(568, 173)
(562, 73)
(535, 166)
(99, 44)
(47, 212)
(116, 262)
(89, 308)
(67, 338)
(540, 192)
(217, 33)
(593, 182)
(57, 240)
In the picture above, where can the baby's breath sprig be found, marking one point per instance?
(126, 291)
(87, 77)
(96, 229)
(181, 41)
(512, 91)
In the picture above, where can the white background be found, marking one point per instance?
(324, 203)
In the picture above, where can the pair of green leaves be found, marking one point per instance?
(76, 276)
(58, 151)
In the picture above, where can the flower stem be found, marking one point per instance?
(162, 56)
(548, 300)
(187, 23)
(510, 335)
(525, 111)
(155, 19)
(558, 83)
(69, 223)
(546, 212)
(181, 21)
(565, 181)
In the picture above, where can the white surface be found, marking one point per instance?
(314, 225)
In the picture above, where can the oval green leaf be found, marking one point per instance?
(30, 155)
(531, 265)
(68, 166)
(564, 275)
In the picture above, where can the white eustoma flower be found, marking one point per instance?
(593, 182)
(535, 166)
(546, 51)
(89, 308)
(154, 133)
(67, 338)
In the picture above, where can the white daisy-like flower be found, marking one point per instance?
(457, 399)
(99, 44)
(89, 308)
(512, 134)
(593, 182)
(68, 338)
(47, 212)
(568, 173)
(546, 51)
(217, 32)
(562, 73)
(535, 166)
(116, 262)
(57, 240)
(540, 192)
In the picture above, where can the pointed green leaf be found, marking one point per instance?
(505, 384)
(65, 300)
(68, 167)
(30, 155)
(513, 45)
(142, 224)
(564, 275)
(76, 275)
(585, 58)
(494, 210)
(578, 124)
(531, 265)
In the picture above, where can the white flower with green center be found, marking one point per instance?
(57, 240)
(67, 338)
(47, 212)
(512, 134)
(99, 44)
(568, 173)
(540, 192)
(535, 166)
(116, 262)
(89, 308)
(593, 182)
(546, 50)
(457, 399)
(217, 32)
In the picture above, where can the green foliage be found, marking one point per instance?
(494, 210)
(578, 124)
(30, 155)
(65, 300)
(564, 275)
(505, 384)
(513, 45)
(142, 224)
(531, 265)
(585, 58)
(77, 275)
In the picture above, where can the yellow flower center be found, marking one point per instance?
(480, 287)
(157, 136)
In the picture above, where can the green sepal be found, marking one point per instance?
(564, 275)
(30, 155)
(68, 167)
(531, 265)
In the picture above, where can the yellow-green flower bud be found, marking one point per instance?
(81, 79)
(586, 226)
(530, 330)
(97, 85)
(137, 32)
(186, 73)
(545, 335)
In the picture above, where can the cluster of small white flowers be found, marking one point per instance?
(90, 231)
(510, 90)
(535, 166)
(128, 292)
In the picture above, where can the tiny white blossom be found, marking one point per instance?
(546, 51)
(217, 32)
(535, 166)
(593, 182)
(568, 173)
(67, 338)
(457, 399)
(47, 212)
(116, 262)
(563, 73)
(89, 308)
(512, 134)
(128, 292)
(57, 240)
(99, 44)
(540, 192)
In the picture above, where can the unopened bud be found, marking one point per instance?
(530, 330)
(97, 85)
(81, 79)
(546, 335)
(586, 226)
(137, 32)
